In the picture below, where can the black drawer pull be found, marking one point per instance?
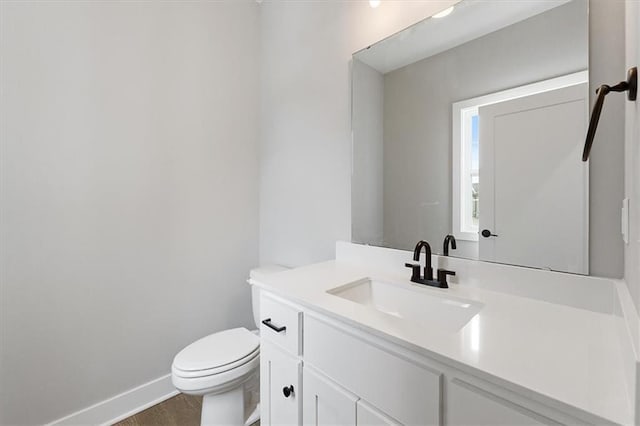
(277, 329)
(287, 391)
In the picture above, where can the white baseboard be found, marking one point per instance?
(123, 405)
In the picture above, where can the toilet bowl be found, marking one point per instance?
(224, 368)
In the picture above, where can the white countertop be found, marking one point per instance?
(568, 355)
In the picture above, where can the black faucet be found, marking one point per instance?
(427, 279)
(428, 270)
(445, 246)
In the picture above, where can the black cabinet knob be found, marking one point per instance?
(287, 391)
(487, 233)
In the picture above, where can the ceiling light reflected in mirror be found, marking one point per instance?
(444, 13)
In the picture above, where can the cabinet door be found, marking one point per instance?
(369, 416)
(280, 404)
(469, 405)
(325, 403)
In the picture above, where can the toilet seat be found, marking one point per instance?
(217, 350)
(215, 370)
(217, 383)
(217, 362)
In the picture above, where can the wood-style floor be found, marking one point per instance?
(181, 410)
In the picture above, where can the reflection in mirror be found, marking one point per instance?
(472, 125)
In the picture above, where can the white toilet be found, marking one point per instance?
(224, 368)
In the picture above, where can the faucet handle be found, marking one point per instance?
(442, 277)
(415, 270)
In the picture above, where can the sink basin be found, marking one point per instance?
(410, 303)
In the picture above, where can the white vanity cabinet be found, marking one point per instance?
(342, 375)
(367, 415)
(469, 405)
(326, 403)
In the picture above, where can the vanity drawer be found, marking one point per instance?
(404, 389)
(281, 323)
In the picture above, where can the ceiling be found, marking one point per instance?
(469, 20)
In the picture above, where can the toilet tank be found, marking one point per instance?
(256, 274)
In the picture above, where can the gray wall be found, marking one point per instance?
(128, 192)
(305, 131)
(606, 171)
(367, 176)
(632, 164)
(417, 114)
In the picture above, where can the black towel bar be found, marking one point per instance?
(631, 86)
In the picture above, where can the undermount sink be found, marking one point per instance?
(410, 303)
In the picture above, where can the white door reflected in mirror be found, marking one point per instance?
(534, 188)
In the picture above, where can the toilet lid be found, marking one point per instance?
(217, 350)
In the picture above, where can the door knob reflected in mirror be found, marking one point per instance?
(487, 233)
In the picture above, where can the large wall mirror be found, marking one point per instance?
(472, 125)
